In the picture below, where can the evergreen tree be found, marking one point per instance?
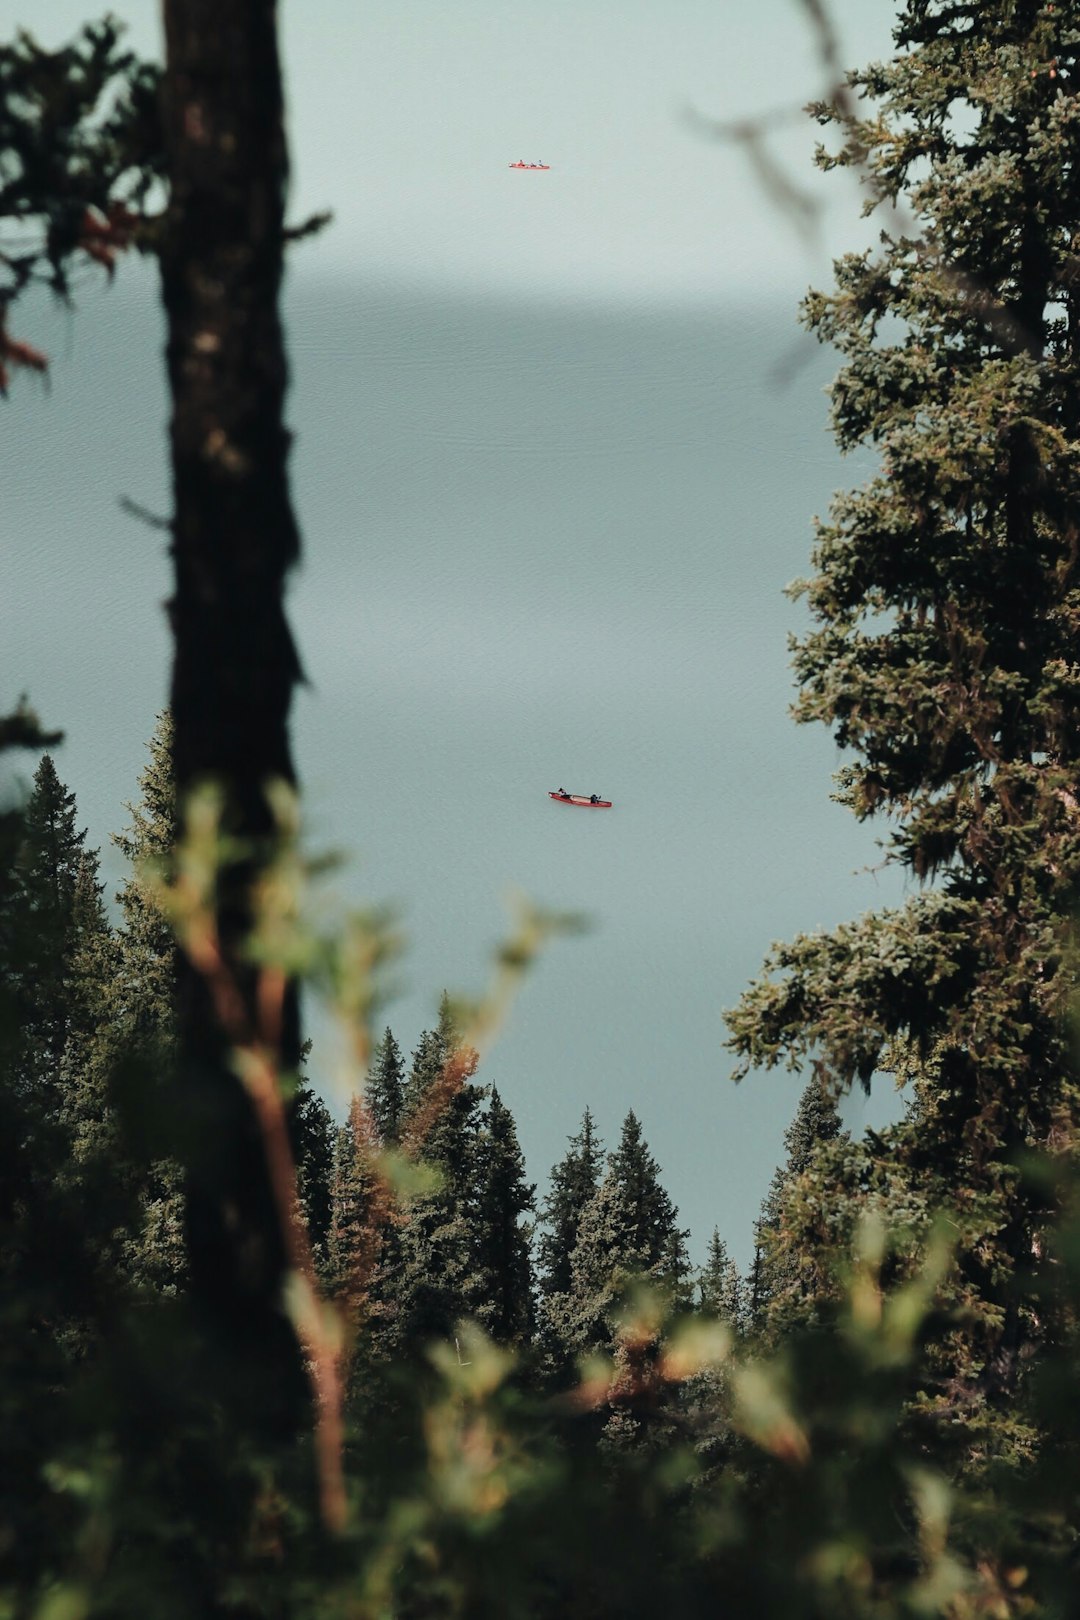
(719, 1284)
(437, 1278)
(628, 1233)
(603, 1266)
(574, 1180)
(649, 1218)
(386, 1089)
(143, 1035)
(789, 1268)
(352, 1238)
(47, 878)
(64, 972)
(311, 1131)
(92, 956)
(428, 1064)
(148, 950)
(143, 1042)
(503, 1242)
(943, 653)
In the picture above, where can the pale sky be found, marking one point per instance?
(404, 116)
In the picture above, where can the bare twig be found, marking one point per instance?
(255, 1054)
(144, 515)
(751, 134)
(310, 226)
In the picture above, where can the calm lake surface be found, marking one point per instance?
(545, 545)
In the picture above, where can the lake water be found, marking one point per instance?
(545, 545)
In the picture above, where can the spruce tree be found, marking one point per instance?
(92, 964)
(628, 1233)
(148, 950)
(71, 1173)
(351, 1241)
(628, 1237)
(386, 1089)
(789, 1268)
(438, 1279)
(428, 1064)
(311, 1131)
(143, 1040)
(649, 1218)
(47, 878)
(943, 652)
(604, 1265)
(719, 1283)
(574, 1180)
(143, 1034)
(503, 1240)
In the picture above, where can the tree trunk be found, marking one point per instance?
(235, 538)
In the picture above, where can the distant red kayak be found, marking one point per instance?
(528, 165)
(580, 799)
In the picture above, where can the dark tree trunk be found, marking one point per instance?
(235, 538)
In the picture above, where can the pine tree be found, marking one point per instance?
(143, 1037)
(428, 1064)
(650, 1219)
(147, 980)
(604, 1265)
(311, 1131)
(437, 1279)
(143, 1040)
(64, 975)
(628, 1237)
(503, 1242)
(790, 1269)
(719, 1284)
(386, 1089)
(943, 653)
(628, 1233)
(574, 1180)
(92, 965)
(47, 878)
(352, 1239)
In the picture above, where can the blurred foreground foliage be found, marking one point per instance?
(341, 1391)
(680, 1461)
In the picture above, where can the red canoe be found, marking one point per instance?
(528, 165)
(580, 799)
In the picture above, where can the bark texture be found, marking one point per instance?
(235, 539)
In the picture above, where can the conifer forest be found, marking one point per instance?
(263, 1359)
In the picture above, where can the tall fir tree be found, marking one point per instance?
(503, 1239)
(790, 1271)
(428, 1065)
(650, 1219)
(437, 1279)
(63, 978)
(148, 950)
(628, 1234)
(47, 878)
(143, 1042)
(720, 1289)
(144, 1030)
(386, 1089)
(311, 1131)
(574, 1180)
(943, 653)
(352, 1242)
(93, 959)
